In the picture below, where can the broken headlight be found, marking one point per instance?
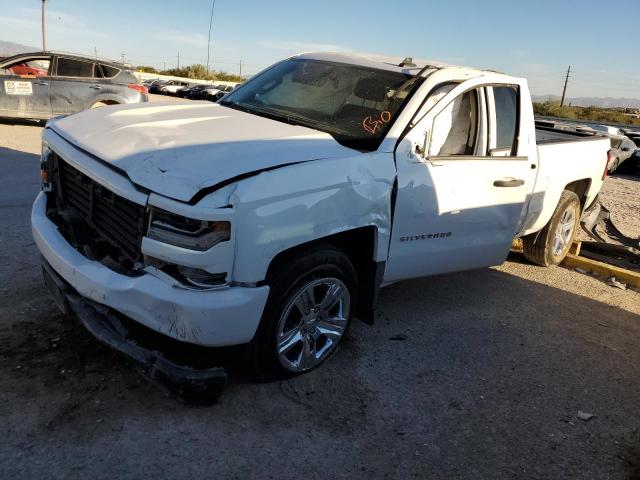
(186, 232)
(46, 167)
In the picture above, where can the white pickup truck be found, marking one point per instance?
(271, 219)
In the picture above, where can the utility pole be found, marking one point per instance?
(240, 68)
(95, 52)
(122, 57)
(178, 60)
(564, 90)
(44, 42)
(213, 5)
(164, 66)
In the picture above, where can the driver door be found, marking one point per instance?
(462, 182)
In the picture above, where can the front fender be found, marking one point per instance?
(283, 208)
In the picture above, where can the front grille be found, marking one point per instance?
(112, 218)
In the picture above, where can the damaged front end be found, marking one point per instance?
(188, 383)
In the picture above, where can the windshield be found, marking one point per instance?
(356, 105)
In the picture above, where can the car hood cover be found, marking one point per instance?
(177, 149)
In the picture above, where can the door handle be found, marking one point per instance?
(508, 182)
(96, 87)
(41, 83)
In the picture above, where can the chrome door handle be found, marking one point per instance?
(41, 83)
(96, 87)
(508, 182)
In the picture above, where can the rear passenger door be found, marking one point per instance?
(463, 179)
(75, 85)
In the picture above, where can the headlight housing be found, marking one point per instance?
(186, 232)
(45, 167)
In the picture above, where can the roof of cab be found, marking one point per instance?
(383, 62)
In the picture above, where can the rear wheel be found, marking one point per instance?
(307, 315)
(550, 245)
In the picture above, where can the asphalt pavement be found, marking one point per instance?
(473, 375)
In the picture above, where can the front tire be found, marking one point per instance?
(550, 245)
(308, 313)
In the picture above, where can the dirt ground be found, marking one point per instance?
(472, 375)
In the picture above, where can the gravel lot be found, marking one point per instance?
(484, 379)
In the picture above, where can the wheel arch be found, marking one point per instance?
(581, 189)
(109, 99)
(359, 245)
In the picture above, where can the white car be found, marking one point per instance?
(272, 219)
(173, 86)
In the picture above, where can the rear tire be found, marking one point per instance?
(550, 245)
(319, 270)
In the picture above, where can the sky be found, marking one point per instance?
(536, 39)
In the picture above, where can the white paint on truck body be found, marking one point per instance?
(282, 186)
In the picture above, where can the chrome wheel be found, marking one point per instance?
(564, 232)
(312, 324)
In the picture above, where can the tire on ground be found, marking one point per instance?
(538, 247)
(285, 281)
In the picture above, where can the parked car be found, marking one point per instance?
(622, 148)
(155, 86)
(202, 93)
(222, 91)
(632, 164)
(273, 218)
(188, 92)
(172, 86)
(44, 84)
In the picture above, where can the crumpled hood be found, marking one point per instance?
(177, 149)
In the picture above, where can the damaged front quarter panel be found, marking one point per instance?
(293, 205)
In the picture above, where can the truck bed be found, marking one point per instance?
(547, 133)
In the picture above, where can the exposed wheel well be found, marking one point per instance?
(580, 188)
(358, 245)
(102, 103)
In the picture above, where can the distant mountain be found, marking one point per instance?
(607, 102)
(11, 48)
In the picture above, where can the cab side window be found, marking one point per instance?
(69, 67)
(455, 129)
(503, 133)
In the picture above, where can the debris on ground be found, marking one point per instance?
(585, 416)
(612, 282)
(398, 337)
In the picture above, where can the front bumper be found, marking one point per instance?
(195, 385)
(209, 318)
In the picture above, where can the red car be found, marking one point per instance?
(24, 69)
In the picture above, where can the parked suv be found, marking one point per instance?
(44, 85)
